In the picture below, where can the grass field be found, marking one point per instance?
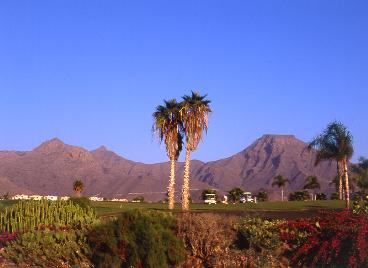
(110, 208)
(114, 208)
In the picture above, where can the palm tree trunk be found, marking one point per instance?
(171, 188)
(340, 180)
(282, 194)
(347, 190)
(185, 193)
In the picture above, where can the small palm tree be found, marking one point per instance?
(336, 143)
(280, 182)
(168, 126)
(78, 187)
(194, 115)
(312, 183)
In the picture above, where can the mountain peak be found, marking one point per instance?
(102, 148)
(51, 145)
(278, 136)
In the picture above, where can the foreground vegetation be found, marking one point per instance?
(148, 235)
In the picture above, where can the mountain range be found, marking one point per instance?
(52, 167)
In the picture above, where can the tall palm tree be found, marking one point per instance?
(280, 182)
(78, 187)
(168, 126)
(194, 114)
(336, 143)
(312, 183)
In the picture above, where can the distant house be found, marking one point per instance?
(20, 197)
(95, 198)
(35, 197)
(64, 198)
(51, 197)
(119, 200)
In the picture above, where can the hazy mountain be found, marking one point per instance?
(52, 167)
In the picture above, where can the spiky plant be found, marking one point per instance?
(194, 115)
(168, 127)
(336, 143)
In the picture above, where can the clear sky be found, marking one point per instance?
(92, 72)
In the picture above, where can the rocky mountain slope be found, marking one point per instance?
(52, 167)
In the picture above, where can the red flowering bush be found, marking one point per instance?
(336, 239)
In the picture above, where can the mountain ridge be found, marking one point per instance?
(52, 167)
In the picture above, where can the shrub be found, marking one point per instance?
(334, 196)
(209, 238)
(361, 205)
(139, 199)
(262, 196)
(235, 195)
(26, 215)
(299, 196)
(335, 240)
(83, 202)
(321, 196)
(137, 239)
(48, 248)
(259, 234)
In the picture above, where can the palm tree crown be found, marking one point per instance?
(335, 143)
(78, 186)
(194, 113)
(279, 181)
(168, 126)
(312, 183)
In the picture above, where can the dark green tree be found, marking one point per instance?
(361, 175)
(262, 195)
(235, 194)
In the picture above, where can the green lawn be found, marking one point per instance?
(110, 208)
(113, 208)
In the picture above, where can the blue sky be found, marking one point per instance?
(92, 72)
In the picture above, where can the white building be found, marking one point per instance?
(51, 197)
(96, 198)
(20, 197)
(119, 200)
(35, 197)
(64, 198)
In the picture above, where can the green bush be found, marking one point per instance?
(48, 248)
(137, 239)
(83, 202)
(299, 196)
(334, 196)
(262, 196)
(361, 205)
(259, 234)
(26, 215)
